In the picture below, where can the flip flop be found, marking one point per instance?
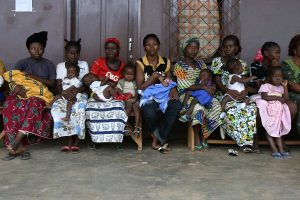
(9, 157)
(26, 156)
(233, 152)
(65, 149)
(164, 149)
(75, 149)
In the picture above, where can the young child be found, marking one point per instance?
(236, 82)
(201, 96)
(102, 91)
(274, 112)
(70, 82)
(127, 88)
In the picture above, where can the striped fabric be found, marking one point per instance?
(201, 19)
(106, 120)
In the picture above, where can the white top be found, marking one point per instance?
(98, 89)
(67, 83)
(237, 85)
(129, 87)
(61, 70)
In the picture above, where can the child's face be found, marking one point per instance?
(273, 55)
(72, 54)
(129, 74)
(276, 78)
(238, 69)
(72, 73)
(204, 75)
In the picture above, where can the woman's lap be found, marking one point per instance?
(106, 120)
(76, 125)
(29, 116)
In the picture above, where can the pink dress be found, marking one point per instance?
(275, 116)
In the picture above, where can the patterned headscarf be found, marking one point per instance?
(187, 42)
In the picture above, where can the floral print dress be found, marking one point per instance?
(239, 124)
(208, 117)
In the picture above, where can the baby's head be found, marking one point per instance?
(129, 71)
(234, 66)
(276, 76)
(205, 75)
(72, 70)
(88, 79)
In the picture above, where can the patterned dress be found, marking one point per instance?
(291, 73)
(239, 124)
(208, 117)
(76, 125)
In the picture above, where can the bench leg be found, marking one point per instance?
(191, 137)
(2, 134)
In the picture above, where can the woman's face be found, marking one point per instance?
(151, 47)
(229, 48)
(276, 78)
(36, 50)
(111, 50)
(191, 50)
(297, 51)
(273, 56)
(72, 54)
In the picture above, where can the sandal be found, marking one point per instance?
(11, 150)
(26, 156)
(65, 149)
(164, 149)
(75, 149)
(205, 145)
(137, 130)
(9, 157)
(247, 149)
(198, 148)
(286, 155)
(233, 152)
(183, 110)
(276, 155)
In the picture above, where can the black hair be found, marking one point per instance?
(231, 64)
(208, 71)
(275, 69)
(294, 43)
(151, 35)
(129, 65)
(267, 46)
(70, 44)
(73, 65)
(40, 37)
(236, 41)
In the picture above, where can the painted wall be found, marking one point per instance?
(268, 20)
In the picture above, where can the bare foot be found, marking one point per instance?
(155, 144)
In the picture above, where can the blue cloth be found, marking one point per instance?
(159, 94)
(203, 97)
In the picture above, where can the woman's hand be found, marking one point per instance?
(235, 94)
(210, 89)
(173, 93)
(284, 83)
(20, 91)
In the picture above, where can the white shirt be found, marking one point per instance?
(67, 83)
(61, 70)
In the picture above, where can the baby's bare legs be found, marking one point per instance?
(70, 103)
(192, 106)
(109, 92)
(246, 100)
(162, 80)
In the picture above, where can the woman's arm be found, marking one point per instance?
(219, 84)
(140, 80)
(284, 83)
(294, 87)
(48, 83)
(265, 96)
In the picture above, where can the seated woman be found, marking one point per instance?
(75, 128)
(239, 124)
(291, 71)
(26, 121)
(149, 71)
(106, 120)
(187, 71)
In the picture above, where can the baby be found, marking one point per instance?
(200, 96)
(97, 85)
(70, 82)
(235, 82)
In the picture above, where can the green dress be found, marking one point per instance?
(291, 72)
(239, 124)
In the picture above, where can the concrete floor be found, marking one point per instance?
(107, 173)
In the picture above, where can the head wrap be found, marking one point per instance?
(113, 40)
(187, 42)
(40, 37)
